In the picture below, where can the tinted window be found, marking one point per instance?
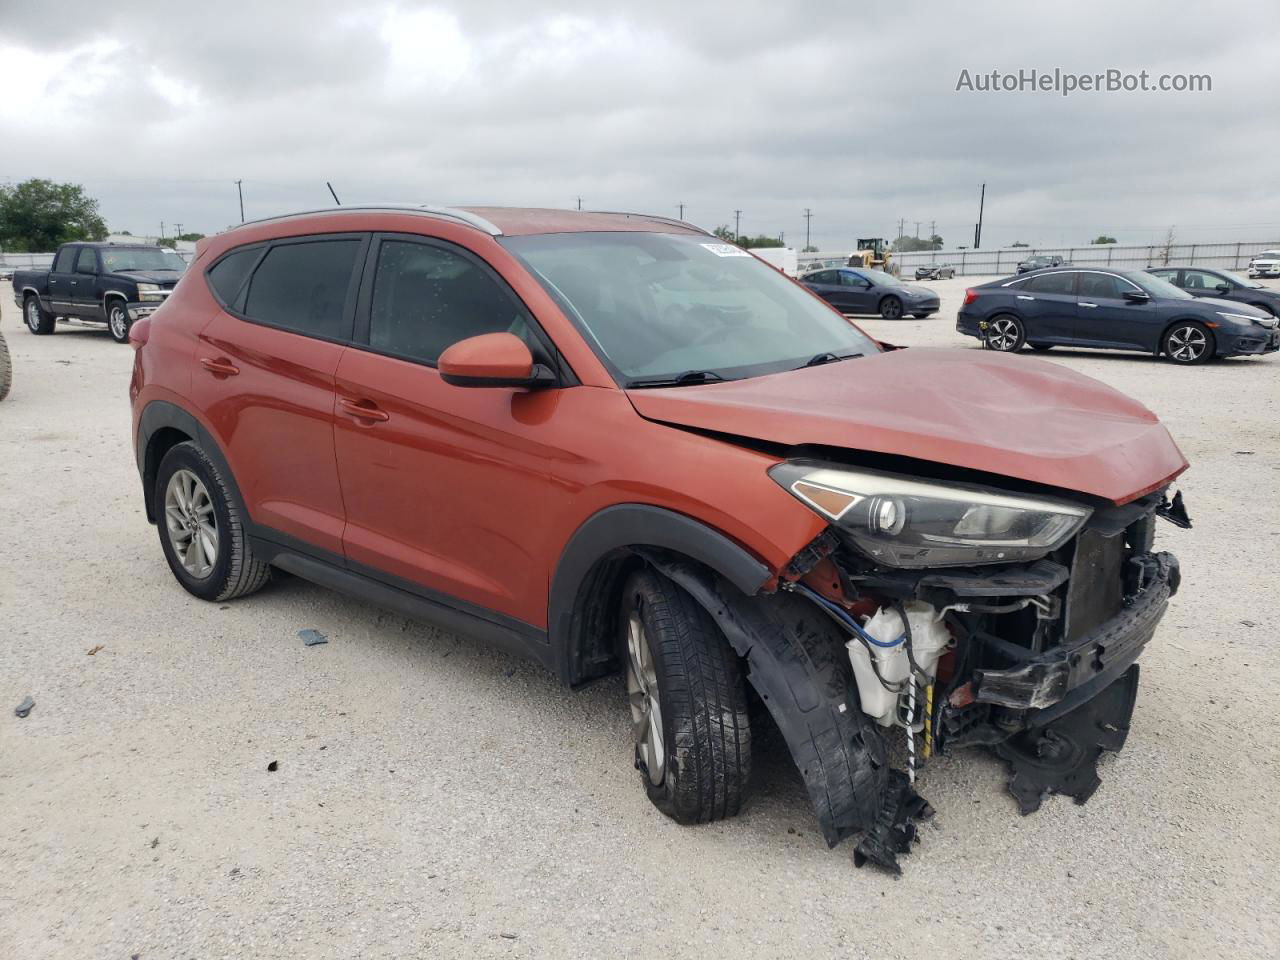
(1099, 286)
(227, 275)
(1053, 283)
(87, 262)
(65, 260)
(850, 279)
(822, 276)
(303, 287)
(1165, 274)
(426, 298)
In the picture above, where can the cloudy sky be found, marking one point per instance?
(769, 108)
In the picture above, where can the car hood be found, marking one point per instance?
(164, 277)
(1014, 416)
(914, 291)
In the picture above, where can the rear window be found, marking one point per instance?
(226, 277)
(303, 287)
(1053, 283)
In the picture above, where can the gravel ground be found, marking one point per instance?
(436, 798)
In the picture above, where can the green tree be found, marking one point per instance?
(1103, 238)
(810, 249)
(760, 241)
(909, 244)
(724, 233)
(936, 242)
(37, 215)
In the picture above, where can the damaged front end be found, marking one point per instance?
(950, 616)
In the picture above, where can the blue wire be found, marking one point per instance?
(845, 618)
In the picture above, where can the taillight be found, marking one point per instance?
(970, 295)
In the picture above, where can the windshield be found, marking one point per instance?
(1268, 255)
(124, 259)
(657, 305)
(882, 279)
(1236, 278)
(1157, 287)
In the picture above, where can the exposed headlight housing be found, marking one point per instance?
(902, 522)
(150, 291)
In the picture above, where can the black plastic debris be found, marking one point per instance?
(312, 637)
(273, 766)
(22, 709)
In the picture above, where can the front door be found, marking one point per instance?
(264, 375)
(1106, 318)
(84, 285)
(858, 294)
(448, 488)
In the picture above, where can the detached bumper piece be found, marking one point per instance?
(1062, 756)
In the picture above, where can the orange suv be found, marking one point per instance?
(612, 442)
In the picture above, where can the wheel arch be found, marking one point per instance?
(161, 427)
(1191, 318)
(596, 561)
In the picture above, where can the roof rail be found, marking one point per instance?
(425, 209)
(650, 216)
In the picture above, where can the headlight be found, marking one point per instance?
(911, 523)
(149, 291)
(1248, 318)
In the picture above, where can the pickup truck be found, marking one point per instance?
(114, 284)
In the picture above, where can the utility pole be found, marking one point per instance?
(808, 215)
(579, 203)
(737, 224)
(177, 230)
(977, 233)
(902, 227)
(681, 210)
(917, 229)
(933, 229)
(161, 229)
(240, 191)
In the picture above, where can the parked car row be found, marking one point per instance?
(1115, 310)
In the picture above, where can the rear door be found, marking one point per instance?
(264, 376)
(826, 284)
(1106, 318)
(61, 277)
(1047, 304)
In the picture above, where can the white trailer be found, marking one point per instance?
(781, 258)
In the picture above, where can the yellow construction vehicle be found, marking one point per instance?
(872, 254)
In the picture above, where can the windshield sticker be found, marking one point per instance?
(726, 250)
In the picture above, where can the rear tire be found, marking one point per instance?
(1005, 333)
(118, 321)
(891, 308)
(201, 530)
(688, 700)
(6, 368)
(1188, 342)
(39, 320)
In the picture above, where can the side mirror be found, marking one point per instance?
(492, 360)
(1223, 288)
(1137, 296)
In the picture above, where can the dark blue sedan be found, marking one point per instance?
(871, 291)
(1113, 310)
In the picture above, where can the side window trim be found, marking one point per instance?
(349, 303)
(235, 304)
(364, 304)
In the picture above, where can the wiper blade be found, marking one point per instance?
(819, 359)
(688, 378)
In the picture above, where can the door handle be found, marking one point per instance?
(221, 367)
(363, 410)
(1023, 296)
(1083, 304)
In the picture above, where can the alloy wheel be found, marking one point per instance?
(891, 309)
(1187, 344)
(1003, 334)
(191, 523)
(642, 694)
(33, 314)
(118, 320)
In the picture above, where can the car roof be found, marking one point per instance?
(516, 221)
